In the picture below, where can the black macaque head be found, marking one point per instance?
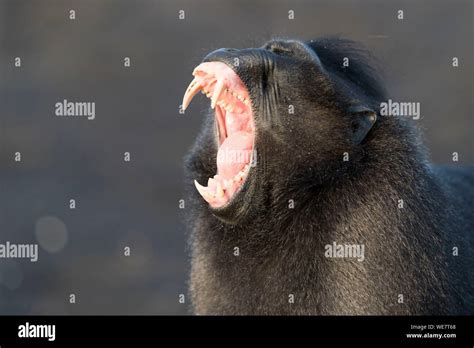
(310, 104)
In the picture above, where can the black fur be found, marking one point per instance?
(408, 251)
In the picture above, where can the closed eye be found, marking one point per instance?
(280, 50)
(277, 49)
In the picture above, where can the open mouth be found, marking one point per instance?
(235, 129)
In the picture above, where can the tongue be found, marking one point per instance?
(234, 154)
(235, 122)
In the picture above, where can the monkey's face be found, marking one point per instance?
(278, 116)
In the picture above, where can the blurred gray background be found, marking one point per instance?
(135, 204)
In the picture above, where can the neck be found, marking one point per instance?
(386, 205)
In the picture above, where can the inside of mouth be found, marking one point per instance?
(235, 130)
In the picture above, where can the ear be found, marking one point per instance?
(362, 119)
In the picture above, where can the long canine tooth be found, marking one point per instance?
(201, 189)
(217, 92)
(193, 88)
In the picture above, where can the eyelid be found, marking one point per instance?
(279, 50)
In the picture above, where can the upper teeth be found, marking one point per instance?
(218, 94)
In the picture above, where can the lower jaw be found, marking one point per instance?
(221, 191)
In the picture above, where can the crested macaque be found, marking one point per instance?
(306, 200)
